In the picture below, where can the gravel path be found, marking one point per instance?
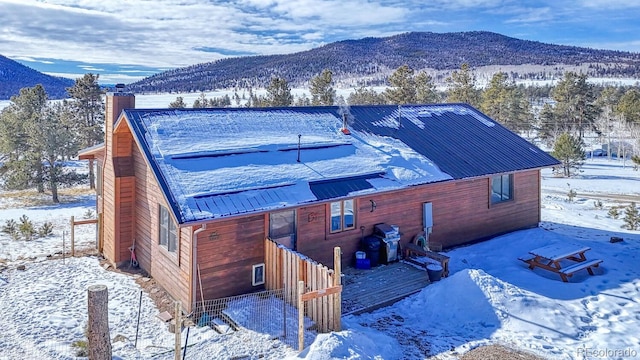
(498, 352)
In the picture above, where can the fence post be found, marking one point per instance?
(178, 328)
(98, 323)
(337, 281)
(300, 316)
(73, 250)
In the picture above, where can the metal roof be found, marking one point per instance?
(463, 143)
(335, 188)
(459, 140)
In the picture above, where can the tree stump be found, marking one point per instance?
(98, 337)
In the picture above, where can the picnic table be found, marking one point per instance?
(552, 256)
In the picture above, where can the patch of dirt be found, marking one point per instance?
(162, 299)
(498, 352)
(26, 198)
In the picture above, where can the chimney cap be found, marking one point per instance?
(120, 87)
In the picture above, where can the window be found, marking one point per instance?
(342, 215)
(501, 188)
(168, 231)
(258, 275)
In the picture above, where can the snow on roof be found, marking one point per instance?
(416, 113)
(221, 162)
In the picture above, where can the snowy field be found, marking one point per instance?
(490, 298)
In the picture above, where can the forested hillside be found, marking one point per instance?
(15, 76)
(374, 58)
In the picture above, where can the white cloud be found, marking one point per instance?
(30, 59)
(532, 15)
(611, 4)
(173, 33)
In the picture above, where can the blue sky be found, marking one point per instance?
(125, 40)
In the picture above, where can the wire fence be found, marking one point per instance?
(268, 312)
(264, 325)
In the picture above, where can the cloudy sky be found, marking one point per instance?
(125, 40)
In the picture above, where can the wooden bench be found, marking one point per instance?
(568, 271)
(528, 259)
(413, 249)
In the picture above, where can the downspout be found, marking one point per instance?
(194, 263)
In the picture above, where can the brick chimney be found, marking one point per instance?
(119, 180)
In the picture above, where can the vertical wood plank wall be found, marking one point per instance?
(172, 270)
(284, 268)
(113, 108)
(227, 251)
(461, 214)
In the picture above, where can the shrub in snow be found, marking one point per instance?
(26, 228)
(571, 195)
(45, 229)
(89, 214)
(11, 228)
(631, 217)
(613, 212)
(597, 204)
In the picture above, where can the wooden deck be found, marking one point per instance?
(367, 290)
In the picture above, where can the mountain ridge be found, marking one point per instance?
(15, 76)
(374, 58)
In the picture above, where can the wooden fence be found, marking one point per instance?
(284, 268)
(74, 223)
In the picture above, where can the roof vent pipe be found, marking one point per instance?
(299, 136)
(344, 129)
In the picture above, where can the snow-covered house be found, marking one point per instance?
(202, 188)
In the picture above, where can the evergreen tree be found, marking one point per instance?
(322, 93)
(403, 87)
(462, 87)
(87, 107)
(631, 217)
(575, 107)
(364, 96)
(178, 103)
(201, 102)
(495, 98)
(57, 140)
(503, 101)
(22, 167)
(425, 89)
(550, 127)
(570, 151)
(279, 93)
(47, 136)
(629, 106)
(303, 100)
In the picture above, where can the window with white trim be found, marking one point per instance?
(342, 215)
(168, 231)
(501, 188)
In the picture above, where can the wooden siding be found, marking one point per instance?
(125, 217)
(461, 214)
(113, 108)
(130, 210)
(227, 250)
(172, 270)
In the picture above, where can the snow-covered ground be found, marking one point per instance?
(490, 297)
